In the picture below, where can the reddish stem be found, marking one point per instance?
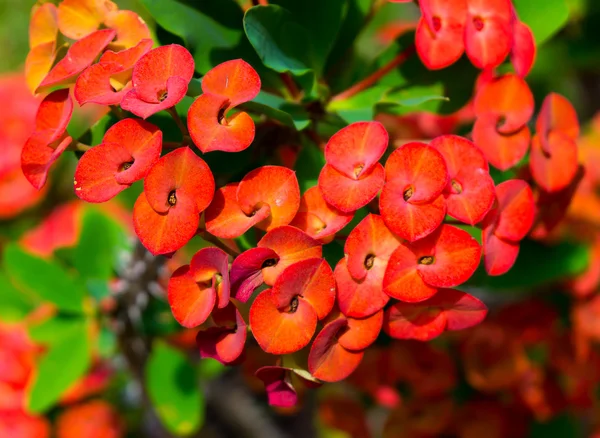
(290, 85)
(375, 76)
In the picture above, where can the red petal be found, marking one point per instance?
(328, 360)
(348, 194)
(456, 256)
(409, 221)
(317, 218)
(420, 167)
(506, 99)
(459, 153)
(164, 233)
(211, 130)
(499, 255)
(191, 302)
(235, 80)
(523, 50)
(359, 299)
(38, 63)
(442, 48)
(79, 56)
(281, 331)
(278, 386)
(448, 309)
(130, 28)
(175, 89)
(361, 332)
(225, 218)
(312, 280)
(274, 186)
(557, 114)
(503, 151)
(402, 279)
(516, 210)
(37, 157)
(224, 342)
(372, 240)
(488, 37)
(291, 245)
(153, 71)
(93, 85)
(206, 264)
(246, 271)
(355, 149)
(183, 172)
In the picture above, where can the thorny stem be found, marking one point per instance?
(375, 76)
(219, 244)
(179, 122)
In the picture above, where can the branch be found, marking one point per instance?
(219, 244)
(375, 76)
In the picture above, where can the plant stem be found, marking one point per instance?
(79, 147)
(219, 244)
(179, 122)
(375, 76)
(290, 85)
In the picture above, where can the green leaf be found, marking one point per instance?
(361, 106)
(322, 19)
(275, 107)
(207, 39)
(174, 390)
(100, 241)
(309, 163)
(416, 98)
(56, 329)
(280, 42)
(66, 361)
(14, 304)
(537, 265)
(42, 278)
(544, 17)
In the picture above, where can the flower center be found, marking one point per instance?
(293, 305)
(437, 23)
(408, 193)
(358, 169)
(125, 166)
(172, 199)
(478, 23)
(456, 187)
(426, 260)
(268, 263)
(162, 95)
(369, 261)
(221, 113)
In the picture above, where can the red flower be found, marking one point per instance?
(412, 203)
(503, 108)
(359, 333)
(448, 309)
(328, 360)
(79, 56)
(443, 259)
(470, 190)
(359, 276)
(284, 318)
(109, 80)
(49, 138)
(317, 218)
(506, 225)
(278, 249)
(128, 151)
(439, 37)
(488, 32)
(523, 49)
(352, 176)
(176, 190)
(225, 86)
(225, 340)
(194, 289)
(94, 419)
(160, 79)
(279, 384)
(267, 197)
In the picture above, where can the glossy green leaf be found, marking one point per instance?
(544, 17)
(275, 107)
(66, 361)
(43, 278)
(100, 241)
(361, 106)
(206, 38)
(55, 329)
(279, 40)
(537, 265)
(14, 304)
(174, 390)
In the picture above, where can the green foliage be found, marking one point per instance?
(44, 279)
(174, 390)
(544, 17)
(309, 163)
(277, 108)
(14, 304)
(67, 359)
